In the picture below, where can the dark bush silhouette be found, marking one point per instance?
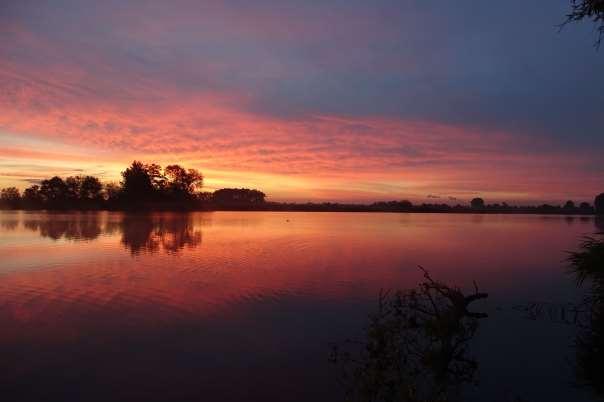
(477, 203)
(415, 347)
(238, 197)
(599, 204)
(394, 206)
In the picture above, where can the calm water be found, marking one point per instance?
(233, 306)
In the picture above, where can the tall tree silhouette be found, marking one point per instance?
(137, 183)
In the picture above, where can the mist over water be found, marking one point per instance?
(243, 305)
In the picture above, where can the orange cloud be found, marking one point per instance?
(105, 118)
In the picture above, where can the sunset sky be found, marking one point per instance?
(432, 101)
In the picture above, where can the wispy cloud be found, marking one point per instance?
(306, 100)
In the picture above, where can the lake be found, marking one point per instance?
(234, 306)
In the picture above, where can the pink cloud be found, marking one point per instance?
(80, 98)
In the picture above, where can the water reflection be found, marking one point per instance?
(587, 264)
(415, 348)
(586, 316)
(129, 307)
(9, 224)
(599, 221)
(148, 233)
(77, 227)
(140, 233)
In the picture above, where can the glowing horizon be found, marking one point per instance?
(306, 102)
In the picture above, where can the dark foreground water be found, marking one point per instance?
(238, 306)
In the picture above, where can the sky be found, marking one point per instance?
(347, 100)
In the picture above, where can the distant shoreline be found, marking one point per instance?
(148, 188)
(276, 207)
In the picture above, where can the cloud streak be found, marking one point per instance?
(307, 101)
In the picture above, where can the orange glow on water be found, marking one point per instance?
(165, 266)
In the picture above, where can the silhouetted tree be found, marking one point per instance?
(32, 197)
(588, 10)
(204, 196)
(405, 204)
(72, 193)
(477, 203)
(182, 183)
(54, 192)
(90, 188)
(599, 204)
(111, 191)
(584, 206)
(10, 197)
(137, 183)
(569, 205)
(158, 180)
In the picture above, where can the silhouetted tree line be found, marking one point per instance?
(239, 198)
(477, 205)
(149, 187)
(143, 187)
